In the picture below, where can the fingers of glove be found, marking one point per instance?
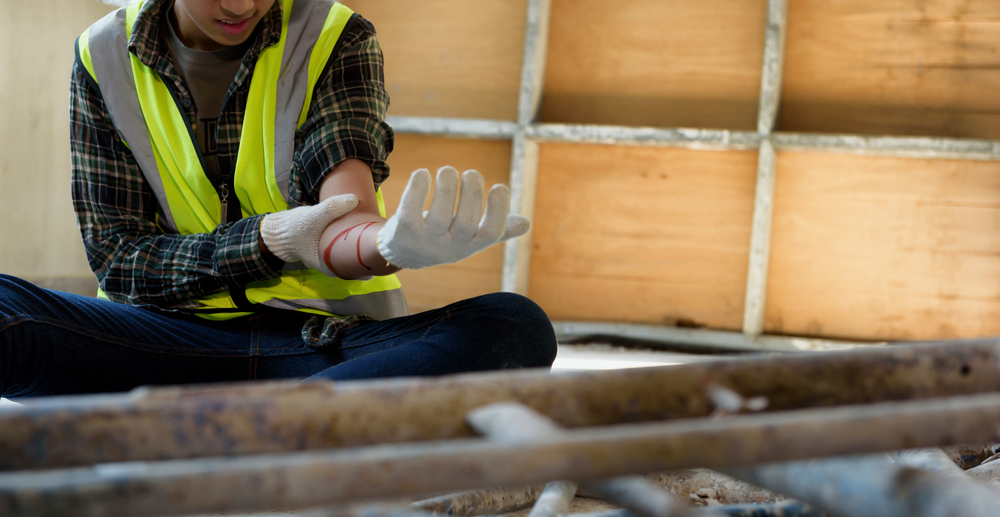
(494, 221)
(278, 238)
(443, 206)
(335, 207)
(470, 206)
(411, 204)
(517, 225)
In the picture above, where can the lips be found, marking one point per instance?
(233, 28)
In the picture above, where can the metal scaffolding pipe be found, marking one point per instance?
(736, 510)
(933, 460)
(316, 478)
(555, 500)
(515, 423)
(967, 456)
(660, 336)
(255, 418)
(874, 486)
(486, 501)
(988, 473)
(707, 487)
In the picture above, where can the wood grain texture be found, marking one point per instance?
(642, 234)
(664, 63)
(38, 233)
(450, 58)
(480, 274)
(899, 67)
(884, 248)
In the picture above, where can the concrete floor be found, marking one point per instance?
(602, 356)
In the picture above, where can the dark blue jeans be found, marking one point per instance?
(54, 343)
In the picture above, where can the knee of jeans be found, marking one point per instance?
(13, 292)
(18, 296)
(530, 340)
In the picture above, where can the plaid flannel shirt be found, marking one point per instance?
(135, 261)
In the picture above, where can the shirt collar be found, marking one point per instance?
(150, 46)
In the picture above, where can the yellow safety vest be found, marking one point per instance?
(155, 130)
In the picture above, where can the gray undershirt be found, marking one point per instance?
(208, 75)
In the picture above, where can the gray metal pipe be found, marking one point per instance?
(555, 499)
(934, 460)
(874, 486)
(257, 418)
(317, 478)
(707, 487)
(736, 510)
(514, 423)
(988, 472)
(486, 501)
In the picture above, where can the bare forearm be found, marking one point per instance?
(349, 249)
(348, 245)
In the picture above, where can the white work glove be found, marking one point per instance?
(293, 235)
(412, 239)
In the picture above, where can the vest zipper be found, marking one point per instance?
(224, 199)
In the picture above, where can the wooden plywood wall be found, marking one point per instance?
(893, 67)
(862, 247)
(884, 248)
(450, 58)
(480, 274)
(642, 234)
(38, 234)
(662, 63)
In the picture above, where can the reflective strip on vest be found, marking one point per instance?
(163, 145)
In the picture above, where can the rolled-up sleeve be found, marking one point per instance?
(347, 116)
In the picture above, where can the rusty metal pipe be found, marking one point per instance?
(967, 456)
(316, 478)
(514, 423)
(707, 487)
(255, 418)
(486, 501)
(787, 509)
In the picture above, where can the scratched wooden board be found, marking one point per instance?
(480, 274)
(884, 248)
(898, 67)
(450, 58)
(664, 63)
(642, 234)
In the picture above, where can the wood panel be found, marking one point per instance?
(665, 63)
(450, 58)
(480, 274)
(900, 67)
(643, 234)
(884, 248)
(38, 233)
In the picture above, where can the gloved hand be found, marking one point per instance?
(412, 239)
(293, 235)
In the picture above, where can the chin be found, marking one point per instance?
(229, 41)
